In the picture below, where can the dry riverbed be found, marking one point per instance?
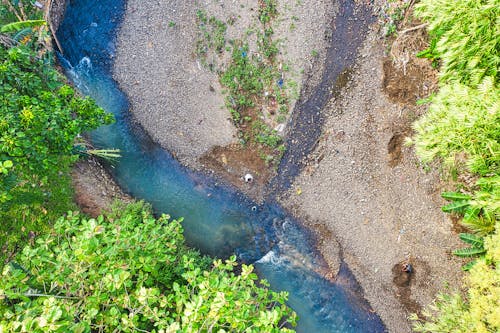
(176, 94)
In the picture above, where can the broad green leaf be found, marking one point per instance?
(472, 239)
(16, 26)
(455, 196)
(469, 252)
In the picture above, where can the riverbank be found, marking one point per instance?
(181, 102)
(95, 189)
(363, 189)
(360, 186)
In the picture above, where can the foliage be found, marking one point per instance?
(16, 10)
(32, 206)
(468, 37)
(481, 209)
(39, 120)
(480, 313)
(268, 9)
(26, 25)
(462, 120)
(130, 272)
(40, 116)
(17, 26)
(392, 14)
(476, 249)
(462, 128)
(214, 34)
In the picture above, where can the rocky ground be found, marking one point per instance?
(95, 189)
(363, 192)
(180, 101)
(366, 194)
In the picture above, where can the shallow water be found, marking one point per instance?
(218, 220)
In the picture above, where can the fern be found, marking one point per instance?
(472, 239)
(469, 252)
(467, 37)
(462, 120)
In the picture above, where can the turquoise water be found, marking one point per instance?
(218, 220)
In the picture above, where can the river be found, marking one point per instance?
(218, 220)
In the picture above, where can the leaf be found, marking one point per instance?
(455, 196)
(16, 26)
(469, 265)
(472, 239)
(469, 252)
(457, 206)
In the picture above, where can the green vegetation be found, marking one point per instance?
(467, 38)
(392, 14)
(40, 117)
(214, 34)
(256, 96)
(462, 120)
(462, 129)
(479, 311)
(124, 272)
(130, 272)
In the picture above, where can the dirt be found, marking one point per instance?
(56, 12)
(232, 163)
(95, 189)
(406, 77)
(368, 190)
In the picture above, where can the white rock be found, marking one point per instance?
(280, 128)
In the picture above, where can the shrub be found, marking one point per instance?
(462, 120)
(467, 37)
(480, 311)
(131, 272)
(40, 117)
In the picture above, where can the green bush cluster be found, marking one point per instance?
(467, 37)
(462, 120)
(130, 272)
(40, 117)
(462, 129)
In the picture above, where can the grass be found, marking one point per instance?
(252, 78)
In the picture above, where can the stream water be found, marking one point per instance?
(218, 220)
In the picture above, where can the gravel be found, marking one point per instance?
(380, 213)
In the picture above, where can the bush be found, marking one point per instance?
(467, 37)
(462, 120)
(481, 312)
(40, 117)
(130, 272)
